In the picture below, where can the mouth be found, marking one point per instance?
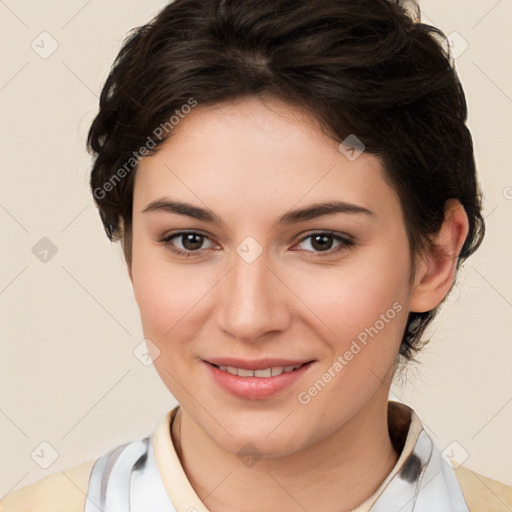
(272, 371)
(257, 380)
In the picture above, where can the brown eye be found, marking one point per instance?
(186, 243)
(323, 242)
(192, 241)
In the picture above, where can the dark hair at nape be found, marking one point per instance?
(364, 68)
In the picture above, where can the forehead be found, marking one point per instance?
(243, 155)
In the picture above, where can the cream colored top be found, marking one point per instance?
(66, 491)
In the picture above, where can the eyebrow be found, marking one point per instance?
(292, 217)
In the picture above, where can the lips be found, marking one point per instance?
(256, 379)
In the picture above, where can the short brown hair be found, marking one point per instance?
(363, 68)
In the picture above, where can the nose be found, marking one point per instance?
(253, 301)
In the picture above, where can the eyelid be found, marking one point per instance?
(345, 236)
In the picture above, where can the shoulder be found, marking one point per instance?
(61, 492)
(483, 494)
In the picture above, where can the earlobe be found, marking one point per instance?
(436, 269)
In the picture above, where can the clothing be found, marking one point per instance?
(146, 475)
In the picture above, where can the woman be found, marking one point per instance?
(294, 187)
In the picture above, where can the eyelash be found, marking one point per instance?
(345, 243)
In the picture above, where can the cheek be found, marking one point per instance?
(352, 296)
(169, 295)
(365, 311)
(362, 307)
(172, 313)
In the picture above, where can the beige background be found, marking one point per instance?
(69, 326)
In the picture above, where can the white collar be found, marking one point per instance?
(147, 475)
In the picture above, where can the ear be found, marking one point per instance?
(436, 268)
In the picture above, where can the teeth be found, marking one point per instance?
(267, 372)
(262, 373)
(230, 369)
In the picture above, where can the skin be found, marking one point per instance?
(251, 161)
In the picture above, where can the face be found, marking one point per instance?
(258, 287)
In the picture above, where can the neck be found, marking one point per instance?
(334, 475)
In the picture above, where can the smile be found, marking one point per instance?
(261, 383)
(267, 372)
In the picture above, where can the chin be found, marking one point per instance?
(261, 447)
(266, 442)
